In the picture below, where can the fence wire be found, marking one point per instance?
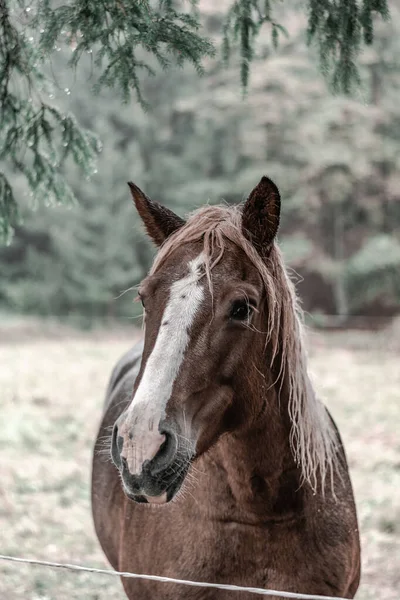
(203, 584)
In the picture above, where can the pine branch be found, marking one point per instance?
(338, 28)
(8, 208)
(35, 137)
(114, 30)
(125, 38)
(243, 23)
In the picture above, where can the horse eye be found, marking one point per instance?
(240, 310)
(139, 298)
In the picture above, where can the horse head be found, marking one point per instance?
(221, 330)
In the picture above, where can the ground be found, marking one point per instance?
(52, 384)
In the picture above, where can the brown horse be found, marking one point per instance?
(226, 466)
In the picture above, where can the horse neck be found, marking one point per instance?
(265, 443)
(257, 458)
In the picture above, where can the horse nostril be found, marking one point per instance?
(165, 454)
(164, 445)
(116, 447)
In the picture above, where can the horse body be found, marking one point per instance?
(245, 514)
(230, 526)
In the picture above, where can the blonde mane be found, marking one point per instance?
(312, 436)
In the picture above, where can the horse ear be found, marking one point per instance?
(160, 222)
(260, 217)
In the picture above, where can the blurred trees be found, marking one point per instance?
(126, 39)
(335, 160)
(351, 177)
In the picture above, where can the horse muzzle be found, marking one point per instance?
(151, 466)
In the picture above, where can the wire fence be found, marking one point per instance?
(203, 584)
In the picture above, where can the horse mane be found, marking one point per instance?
(312, 436)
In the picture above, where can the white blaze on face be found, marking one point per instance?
(163, 364)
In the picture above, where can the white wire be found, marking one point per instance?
(204, 584)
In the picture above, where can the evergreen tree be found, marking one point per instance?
(36, 138)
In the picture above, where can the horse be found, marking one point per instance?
(223, 465)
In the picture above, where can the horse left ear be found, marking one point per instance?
(160, 222)
(260, 217)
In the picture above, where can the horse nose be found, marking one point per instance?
(136, 451)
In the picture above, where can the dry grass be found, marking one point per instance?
(51, 395)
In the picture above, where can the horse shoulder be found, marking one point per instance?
(108, 500)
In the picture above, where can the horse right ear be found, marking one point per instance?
(260, 217)
(160, 222)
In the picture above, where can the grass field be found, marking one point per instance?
(52, 385)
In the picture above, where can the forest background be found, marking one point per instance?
(334, 158)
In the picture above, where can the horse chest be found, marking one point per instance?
(173, 543)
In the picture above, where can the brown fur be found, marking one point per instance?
(254, 508)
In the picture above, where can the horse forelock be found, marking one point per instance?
(312, 439)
